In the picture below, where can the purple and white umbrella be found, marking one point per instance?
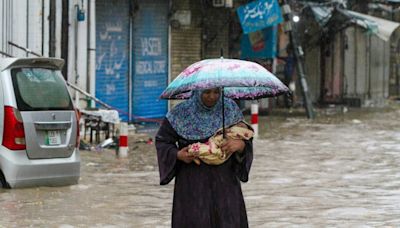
(239, 79)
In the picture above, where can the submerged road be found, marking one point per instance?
(340, 170)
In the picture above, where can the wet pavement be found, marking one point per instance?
(340, 170)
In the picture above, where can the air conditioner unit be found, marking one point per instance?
(218, 3)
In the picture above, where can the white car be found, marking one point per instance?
(39, 131)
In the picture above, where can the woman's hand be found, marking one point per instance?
(184, 155)
(231, 146)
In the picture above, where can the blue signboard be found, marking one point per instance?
(259, 44)
(150, 59)
(112, 54)
(259, 14)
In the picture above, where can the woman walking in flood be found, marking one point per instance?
(205, 195)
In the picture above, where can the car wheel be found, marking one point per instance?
(3, 182)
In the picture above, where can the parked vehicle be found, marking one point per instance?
(39, 130)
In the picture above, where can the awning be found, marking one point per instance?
(329, 16)
(380, 27)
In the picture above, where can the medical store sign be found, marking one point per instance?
(259, 14)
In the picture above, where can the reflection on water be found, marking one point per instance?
(339, 170)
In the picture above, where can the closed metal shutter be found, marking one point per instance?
(112, 54)
(150, 58)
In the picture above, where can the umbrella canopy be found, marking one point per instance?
(240, 79)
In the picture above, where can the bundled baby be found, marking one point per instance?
(210, 152)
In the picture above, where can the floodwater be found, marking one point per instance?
(340, 170)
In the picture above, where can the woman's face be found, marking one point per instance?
(210, 97)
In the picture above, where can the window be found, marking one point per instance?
(40, 89)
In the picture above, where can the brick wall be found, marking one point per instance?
(216, 31)
(203, 38)
(185, 40)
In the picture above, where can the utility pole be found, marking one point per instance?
(290, 28)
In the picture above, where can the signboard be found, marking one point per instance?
(259, 14)
(259, 44)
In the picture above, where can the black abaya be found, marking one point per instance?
(204, 195)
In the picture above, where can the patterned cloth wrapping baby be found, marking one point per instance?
(210, 152)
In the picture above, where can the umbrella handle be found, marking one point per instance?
(223, 112)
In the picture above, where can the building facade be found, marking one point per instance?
(122, 52)
(125, 52)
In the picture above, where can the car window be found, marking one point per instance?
(40, 89)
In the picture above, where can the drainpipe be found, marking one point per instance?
(27, 28)
(50, 20)
(79, 17)
(64, 36)
(52, 29)
(91, 74)
(9, 27)
(76, 54)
